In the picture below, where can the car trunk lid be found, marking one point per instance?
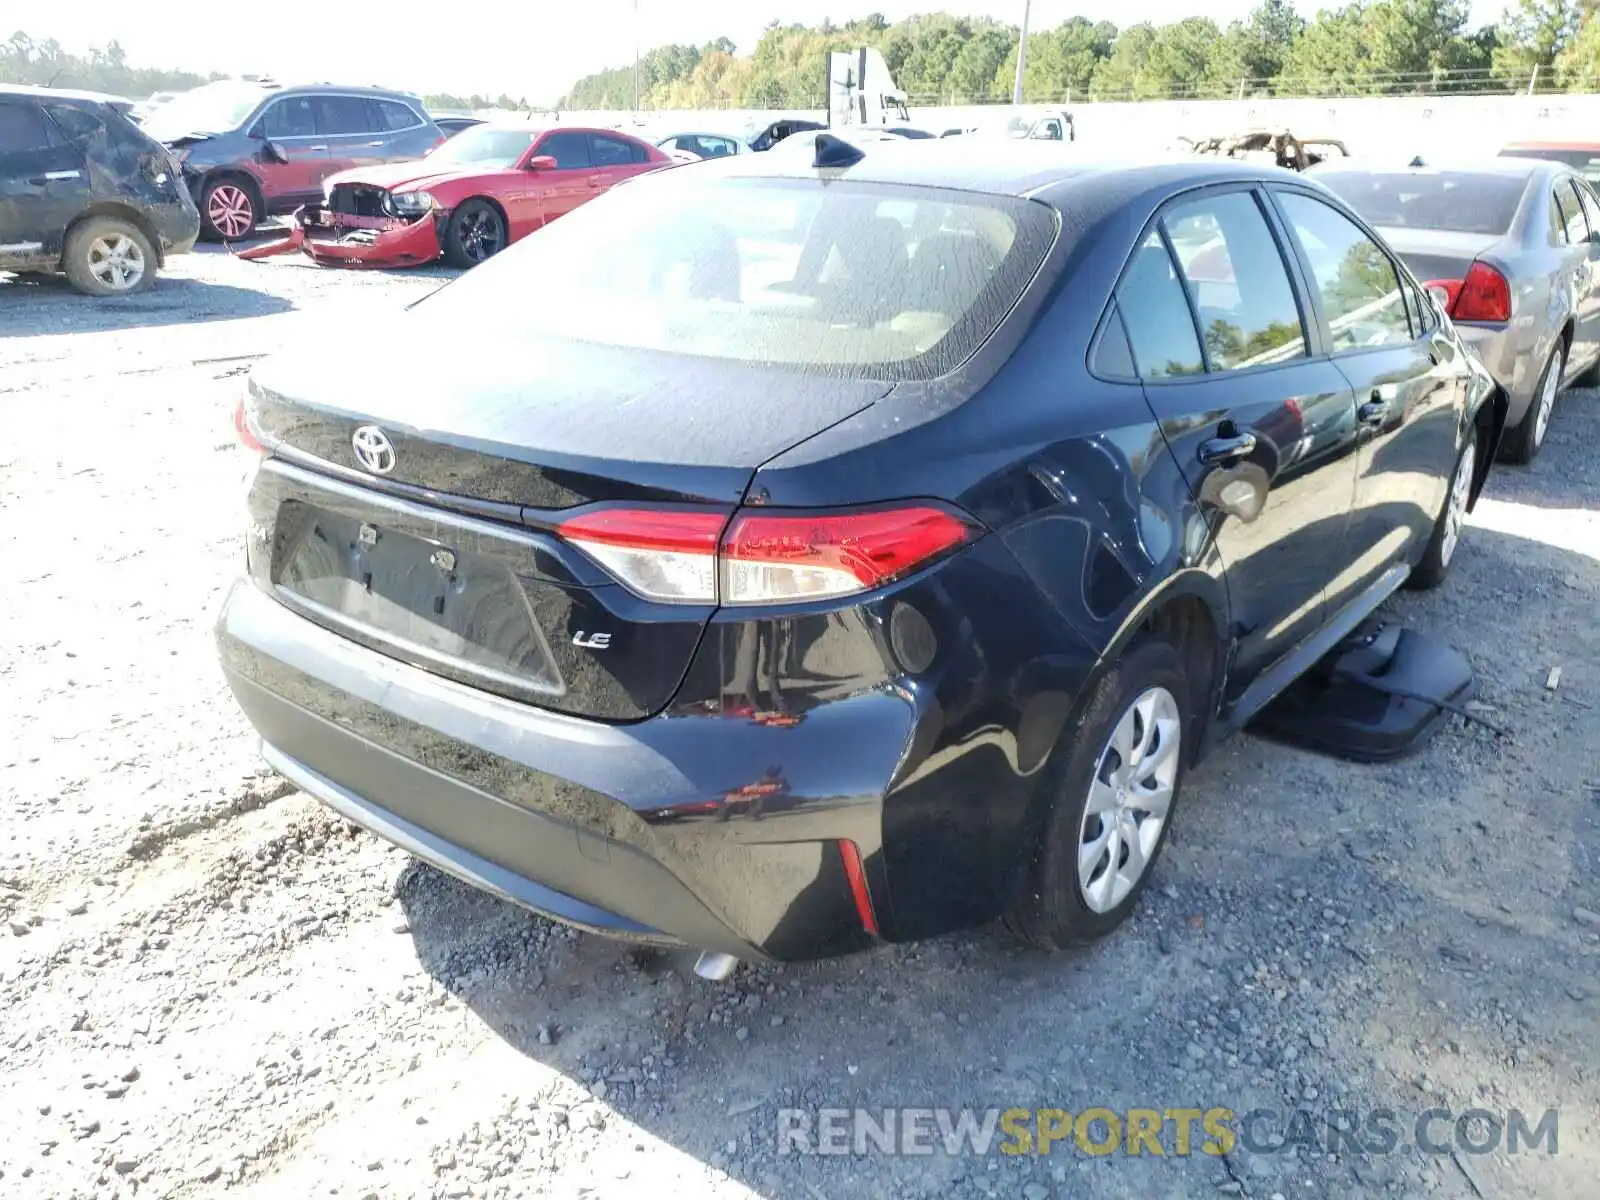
(444, 551)
(1435, 254)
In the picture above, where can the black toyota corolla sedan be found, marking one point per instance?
(803, 551)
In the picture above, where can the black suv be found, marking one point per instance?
(83, 190)
(250, 149)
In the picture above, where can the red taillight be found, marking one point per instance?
(856, 875)
(1484, 295)
(241, 425)
(684, 556)
(768, 558)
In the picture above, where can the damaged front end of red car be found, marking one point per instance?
(331, 235)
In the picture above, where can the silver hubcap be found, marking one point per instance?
(1129, 799)
(1547, 398)
(116, 261)
(1455, 513)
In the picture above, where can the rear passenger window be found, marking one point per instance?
(22, 127)
(1236, 276)
(612, 152)
(1160, 327)
(74, 123)
(392, 115)
(1558, 221)
(568, 149)
(1591, 208)
(341, 114)
(1572, 209)
(1360, 290)
(1113, 357)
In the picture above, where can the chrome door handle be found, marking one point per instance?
(379, 142)
(1222, 451)
(316, 147)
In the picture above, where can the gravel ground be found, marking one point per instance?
(213, 987)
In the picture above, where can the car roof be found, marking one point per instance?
(1509, 166)
(1552, 146)
(350, 88)
(1009, 168)
(51, 93)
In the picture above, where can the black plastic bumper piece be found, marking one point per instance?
(490, 843)
(1379, 695)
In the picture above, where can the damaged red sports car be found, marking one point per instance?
(472, 197)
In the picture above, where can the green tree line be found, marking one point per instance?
(1367, 47)
(26, 60)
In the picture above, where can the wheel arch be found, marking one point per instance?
(123, 212)
(232, 174)
(492, 202)
(1189, 611)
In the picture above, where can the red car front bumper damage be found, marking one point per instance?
(342, 240)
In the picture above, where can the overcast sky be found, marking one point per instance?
(530, 50)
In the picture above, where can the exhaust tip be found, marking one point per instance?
(715, 966)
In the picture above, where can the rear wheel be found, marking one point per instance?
(229, 209)
(1441, 551)
(1114, 795)
(476, 231)
(107, 256)
(1523, 443)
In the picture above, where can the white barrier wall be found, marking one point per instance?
(1383, 126)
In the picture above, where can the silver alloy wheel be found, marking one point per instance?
(117, 261)
(1455, 513)
(1129, 799)
(1547, 398)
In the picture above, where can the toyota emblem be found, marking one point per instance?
(374, 450)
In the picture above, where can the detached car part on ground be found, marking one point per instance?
(1511, 249)
(850, 548)
(84, 191)
(485, 188)
(1283, 148)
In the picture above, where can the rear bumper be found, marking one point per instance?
(406, 245)
(651, 831)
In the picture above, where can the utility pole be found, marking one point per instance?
(1022, 54)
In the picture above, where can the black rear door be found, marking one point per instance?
(1409, 381)
(44, 183)
(1259, 421)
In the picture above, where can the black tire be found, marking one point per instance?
(1522, 443)
(476, 231)
(107, 256)
(1442, 546)
(1052, 912)
(237, 190)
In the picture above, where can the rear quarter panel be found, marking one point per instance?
(1091, 524)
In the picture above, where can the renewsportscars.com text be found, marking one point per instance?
(1161, 1132)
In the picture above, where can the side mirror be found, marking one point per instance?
(542, 162)
(272, 152)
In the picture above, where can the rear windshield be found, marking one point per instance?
(1585, 162)
(1453, 201)
(836, 277)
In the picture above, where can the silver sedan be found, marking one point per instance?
(1510, 248)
